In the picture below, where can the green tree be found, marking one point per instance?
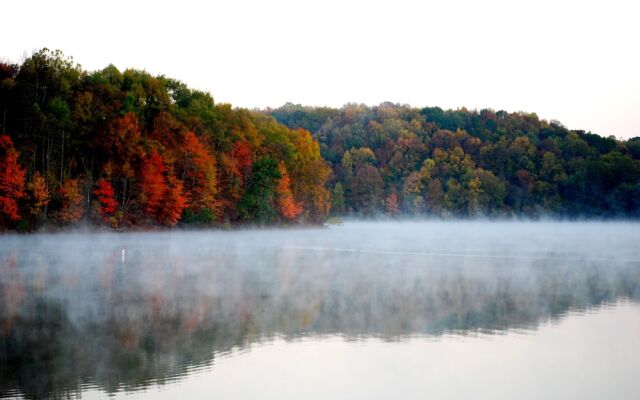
(337, 200)
(257, 204)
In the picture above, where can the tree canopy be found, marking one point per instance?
(399, 159)
(125, 148)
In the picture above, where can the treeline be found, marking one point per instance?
(129, 149)
(396, 159)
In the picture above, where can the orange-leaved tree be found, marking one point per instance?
(11, 181)
(235, 168)
(153, 184)
(287, 206)
(243, 156)
(174, 202)
(38, 193)
(71, 207)
(199, 175)
(120, 142)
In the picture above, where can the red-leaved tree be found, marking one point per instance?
(174, 203)
(11, 181)
(199, 175)
(107, 200)
(153, 184)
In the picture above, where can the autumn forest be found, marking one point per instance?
(125, 149)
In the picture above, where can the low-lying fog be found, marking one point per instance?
(120, 310)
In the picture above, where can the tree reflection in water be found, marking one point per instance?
(74, 313)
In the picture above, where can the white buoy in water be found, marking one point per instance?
(123, 254)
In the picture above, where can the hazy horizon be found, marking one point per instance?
(573, 65)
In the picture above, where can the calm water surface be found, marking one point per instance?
(358, 311)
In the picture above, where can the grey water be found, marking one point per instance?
(362, 310)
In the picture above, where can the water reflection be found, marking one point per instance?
(77, 311)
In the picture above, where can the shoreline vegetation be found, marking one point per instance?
(128, 151)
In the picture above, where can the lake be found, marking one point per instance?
(362, 310)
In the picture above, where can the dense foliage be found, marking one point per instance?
(398, 159)
(129, 149)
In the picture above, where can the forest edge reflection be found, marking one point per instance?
(92, 318)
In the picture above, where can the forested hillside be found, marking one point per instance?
(125, 149)
(396, 159)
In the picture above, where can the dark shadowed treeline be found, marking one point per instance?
(127, 148)
(398, 159)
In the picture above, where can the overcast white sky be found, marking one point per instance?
(577, 62)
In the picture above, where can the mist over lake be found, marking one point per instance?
(347, 219)
(358, 310)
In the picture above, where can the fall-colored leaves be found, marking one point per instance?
(287, 206)
(174, 203)
(200, 175)
(398, 159)
(152, 184)
(71, 199)
(128, 149)
(106, 197)
(391, 205)
(39, 194)
(161, 193)
(11, 180)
